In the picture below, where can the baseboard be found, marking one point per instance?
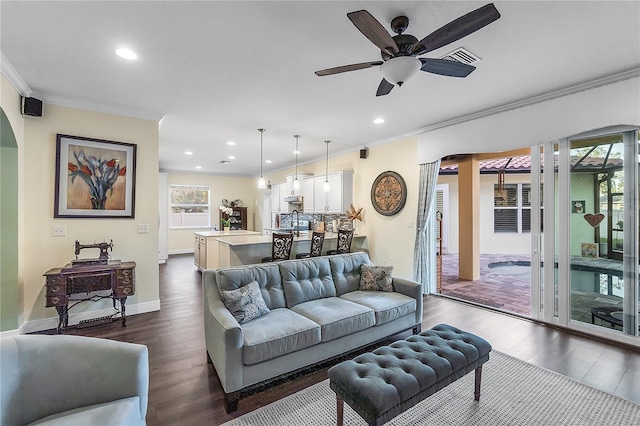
(51, 323)
(181, 251)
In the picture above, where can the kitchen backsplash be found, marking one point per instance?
(287, 220)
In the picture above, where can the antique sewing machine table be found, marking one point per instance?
(85, 281)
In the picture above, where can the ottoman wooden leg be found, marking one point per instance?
(340, 411)
(478, 379)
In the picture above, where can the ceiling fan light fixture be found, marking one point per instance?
(400, 69)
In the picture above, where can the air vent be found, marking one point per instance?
(461, 55)
(224, 162)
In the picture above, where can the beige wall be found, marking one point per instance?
(389, 238)
(222, 187)
(40, 251)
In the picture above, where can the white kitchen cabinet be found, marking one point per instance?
(340, 194)
(307, 192)
(278, 193)
(290, 191)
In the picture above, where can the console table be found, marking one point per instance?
(77, 282)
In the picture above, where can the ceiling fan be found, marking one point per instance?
(399, 52)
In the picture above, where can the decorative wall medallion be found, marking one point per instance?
(388, 193)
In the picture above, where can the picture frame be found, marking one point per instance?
(589, 250)
(578, 206)
(95, 178)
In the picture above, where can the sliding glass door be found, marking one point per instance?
(587, 250)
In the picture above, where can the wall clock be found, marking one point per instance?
(388, 193)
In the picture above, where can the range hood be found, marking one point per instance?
(294, 200)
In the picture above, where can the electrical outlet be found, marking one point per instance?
(143, 228)
(58, 231)
(410, 224)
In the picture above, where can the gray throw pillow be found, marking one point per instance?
(245, 303)
(376, 278)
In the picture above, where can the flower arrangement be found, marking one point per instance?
(99, 174)
(228, 211)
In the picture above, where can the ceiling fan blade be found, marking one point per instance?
(374, 31)
(384, 88)
(445, 67)
(345, 68)
(456, 29)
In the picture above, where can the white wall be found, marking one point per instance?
(40, 251)
(614, 104)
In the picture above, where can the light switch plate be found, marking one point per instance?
(58, 231)
(143, 228)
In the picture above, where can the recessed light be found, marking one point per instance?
(188, 153)
(198, 167)
(296, 152)
(267, 161)
(231, 157)
(378, 120)
(126, 53)
(231, 143)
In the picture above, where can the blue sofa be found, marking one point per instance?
(72, 380)
(316, 312)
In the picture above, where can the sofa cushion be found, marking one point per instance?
(245, 303)
(345, 270)
(306, 279)
(268, 278)
(337, 317)
(387, 306)
(121, 412)
(376, 278)
(279, 333)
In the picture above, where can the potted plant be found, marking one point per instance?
(226, 223)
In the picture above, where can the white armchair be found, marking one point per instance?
(63, 380)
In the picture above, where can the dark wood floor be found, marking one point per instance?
(184, 389)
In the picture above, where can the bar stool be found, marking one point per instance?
(317, 239)
(280, 247)
(344, 242)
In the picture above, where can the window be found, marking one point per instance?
(190, 207)
(512, 208)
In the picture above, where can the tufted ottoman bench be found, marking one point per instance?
(381, 384)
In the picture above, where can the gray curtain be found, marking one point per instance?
(424, 254)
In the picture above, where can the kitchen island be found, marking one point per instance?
(205, 246)
(236, 250)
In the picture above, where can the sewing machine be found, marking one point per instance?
(90, 280)
(102, 259)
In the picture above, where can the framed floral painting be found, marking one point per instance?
(95, 178)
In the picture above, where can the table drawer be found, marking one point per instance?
(57, 300)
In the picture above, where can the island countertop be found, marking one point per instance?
(236, 250)
(223, 233)
(245, 240)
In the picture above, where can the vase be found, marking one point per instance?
(226, 229)
(98, 204)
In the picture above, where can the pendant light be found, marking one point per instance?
(261, 182)
(326, 185)
(296, 182)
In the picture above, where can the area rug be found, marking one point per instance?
(513, 393)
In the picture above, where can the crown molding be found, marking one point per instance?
(10, 73)
(90, 105)
(604, 81)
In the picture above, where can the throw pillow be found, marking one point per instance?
(245, 303)
(376, 278)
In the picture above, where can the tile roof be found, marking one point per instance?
(522, 164)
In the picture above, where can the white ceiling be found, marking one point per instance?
(219, 70)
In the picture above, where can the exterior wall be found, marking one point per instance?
(40, 251)
(222, 187)
(514, 243)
